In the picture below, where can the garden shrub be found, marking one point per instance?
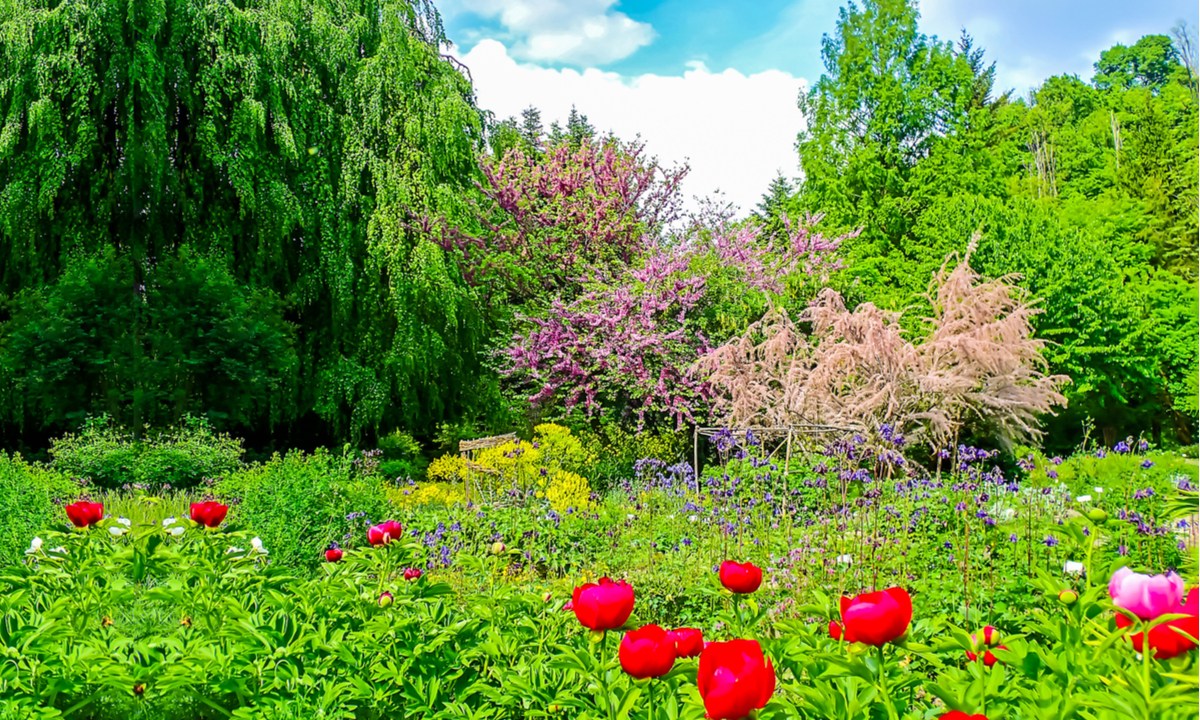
(544, 466)
(30, 495)
(181, 457)
(299, 504)
(402, 458)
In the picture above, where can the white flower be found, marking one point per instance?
(693, 518)
(1098, 489)
(117, 531)
(35, 546)
(844, 560)
(125, 521)
(1007, 514)
(169, 522)
(1084, 499)
(256, 543)
(1073, 568)
(177, 530)
(233, 549)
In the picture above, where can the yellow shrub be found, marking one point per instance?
(560, 448)
(567, 490)
(447, 468)
(543, 462)
(426, 494)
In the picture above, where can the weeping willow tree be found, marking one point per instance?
(291, 143)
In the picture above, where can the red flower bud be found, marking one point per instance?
(333, 555)
(85, 514)
(647, 652)
(385, 532)
(412, 573)
(209, 514)
(875, 618)
(734, 678)
(740, 578)
(688, 642)
(988, 658)
(603, 606)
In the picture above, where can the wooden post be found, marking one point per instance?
(696, 456)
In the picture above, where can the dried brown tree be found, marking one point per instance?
(977, 365)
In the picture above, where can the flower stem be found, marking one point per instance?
(883, 686)
(1146, 651)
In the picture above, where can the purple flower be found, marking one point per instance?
(1121, 448)
(1050, 541)
(1012, 538)
(1147, 464)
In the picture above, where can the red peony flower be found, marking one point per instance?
(740, 578)
(412, 573)
(385, 532)
(647, 652)
(209, 514)
(734, 678)
(688, 642)
(960, 715)
(603, 606)
(333, 554)
(84, 514)
(1164, 638)
(875, 618)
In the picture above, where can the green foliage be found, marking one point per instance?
(180, 457)
(297, 145)
(190, 340)
(1086, 191)
(1150, 63)
(30, 495)
(402, 456)
(299, 504)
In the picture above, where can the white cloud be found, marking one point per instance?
(581, 32)
(736, 131)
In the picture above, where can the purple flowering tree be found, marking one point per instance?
(548, 220)
(626, 346)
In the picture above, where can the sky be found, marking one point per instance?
(714, 83)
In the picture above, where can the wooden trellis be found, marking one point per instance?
(469, 448)
(783, 437)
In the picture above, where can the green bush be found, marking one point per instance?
(111, 457)
(30, 495)
(402, 457)
(298, 504)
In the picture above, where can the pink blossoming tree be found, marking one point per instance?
(626, 346)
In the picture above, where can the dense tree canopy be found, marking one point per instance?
(1088, 191)
(292, 145)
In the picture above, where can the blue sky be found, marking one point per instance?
(681, 71)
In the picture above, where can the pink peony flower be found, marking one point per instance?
(1146, 596)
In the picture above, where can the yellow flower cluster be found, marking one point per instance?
(432, 493)
(545, 462)
(567, 490)
(447, 468)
